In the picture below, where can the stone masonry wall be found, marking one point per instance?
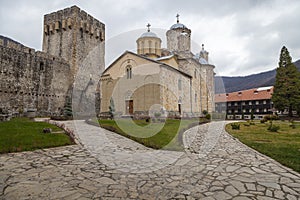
(172, 93)
(31, 79)
(202, 84)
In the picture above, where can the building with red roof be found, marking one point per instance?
(243, 104)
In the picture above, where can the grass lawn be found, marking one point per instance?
(155, 135)
(22, 134)
(283, 146)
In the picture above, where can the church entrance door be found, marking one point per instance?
(129, 107)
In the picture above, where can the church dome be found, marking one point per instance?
(203, 61)
(202, 57)
(178, 25)
(149, 44)
(148, 34)
(203, 51)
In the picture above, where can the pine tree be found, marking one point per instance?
(286, 89)
(68, 107)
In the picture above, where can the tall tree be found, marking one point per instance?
(68, 107)
(286, 89)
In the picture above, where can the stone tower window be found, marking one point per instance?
(129, 72)
(81, 32)
(42, 66)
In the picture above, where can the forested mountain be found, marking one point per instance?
(232, 84)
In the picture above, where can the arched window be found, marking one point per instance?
(129, 72)
(142, 47)
(179, 84)
(150, 46)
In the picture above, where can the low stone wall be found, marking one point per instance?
(68, 131)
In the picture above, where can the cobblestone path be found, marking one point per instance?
(108, 166)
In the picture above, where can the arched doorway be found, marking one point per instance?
(128, 103)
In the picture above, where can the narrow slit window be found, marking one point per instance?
(128, 72)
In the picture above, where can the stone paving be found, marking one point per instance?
(108, 166)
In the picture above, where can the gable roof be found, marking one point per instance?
(148, 59)
(246, 95)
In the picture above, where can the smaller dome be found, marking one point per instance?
(200, 59)
(203, 51)
(148, 34)
(178, 25)
(196, 56)
(203, 61)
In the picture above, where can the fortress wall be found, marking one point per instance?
(73, 54)
(31, 79)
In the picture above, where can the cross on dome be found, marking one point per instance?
(148, 25)
(177, 16)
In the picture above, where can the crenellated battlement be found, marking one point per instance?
(73, 18)
(10, 44)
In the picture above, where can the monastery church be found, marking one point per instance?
(172, 80)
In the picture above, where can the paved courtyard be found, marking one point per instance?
(107, 166)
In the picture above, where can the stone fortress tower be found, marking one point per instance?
(72, 34)
(73, 42)
(78, 38)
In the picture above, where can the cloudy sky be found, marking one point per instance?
(242, 37)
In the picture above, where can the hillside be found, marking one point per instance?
(233, 84)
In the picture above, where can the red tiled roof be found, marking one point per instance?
(246, 95)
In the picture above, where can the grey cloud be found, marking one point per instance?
(22, 21)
